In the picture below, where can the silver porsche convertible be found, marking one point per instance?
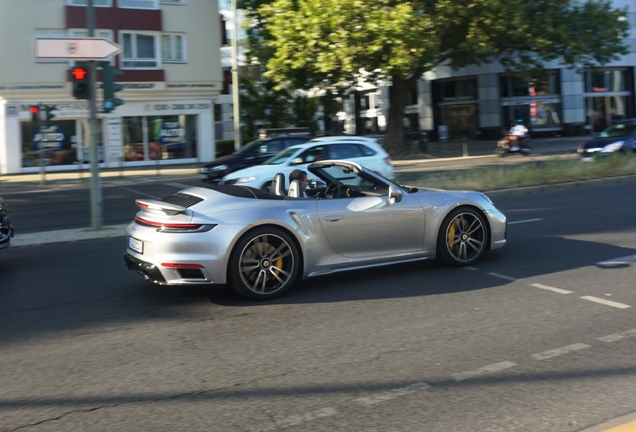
(261, 243)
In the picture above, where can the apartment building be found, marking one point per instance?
(172, 74)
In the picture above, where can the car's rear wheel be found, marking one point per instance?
(264, 264)
(462, 237)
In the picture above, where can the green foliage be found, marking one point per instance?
(329, 42)
(264, 104)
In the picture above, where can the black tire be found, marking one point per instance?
(462, 238)
(264, 264)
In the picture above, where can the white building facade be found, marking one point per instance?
(171, 76)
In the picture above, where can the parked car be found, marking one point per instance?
(250, 154)
(6, 230)
(261, 243)
(618, 138)
(362, 150)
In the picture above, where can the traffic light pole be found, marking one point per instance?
(38, 126)
(96, 187)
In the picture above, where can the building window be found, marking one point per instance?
(180, 2)
(548, 83)
(607, 80)
(138, 4)
(98, 3)
(457, 90)
(173, 48)
(140, 51)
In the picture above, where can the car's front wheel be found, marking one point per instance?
(264, 264)
(462, 237)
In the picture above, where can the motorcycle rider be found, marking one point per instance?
(518, 132)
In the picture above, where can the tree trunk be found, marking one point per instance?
(394, 138)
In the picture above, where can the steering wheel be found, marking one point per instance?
(332, 191)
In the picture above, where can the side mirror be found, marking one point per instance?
(394, 195)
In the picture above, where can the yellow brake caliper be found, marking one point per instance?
(450, 236)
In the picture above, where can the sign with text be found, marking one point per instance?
(75, 48)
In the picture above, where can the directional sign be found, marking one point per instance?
(75, 48)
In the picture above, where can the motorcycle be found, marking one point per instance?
(510, 144)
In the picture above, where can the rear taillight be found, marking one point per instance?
(174, 227)
(388, 161)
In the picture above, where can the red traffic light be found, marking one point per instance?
(34, 110)
(79, 73)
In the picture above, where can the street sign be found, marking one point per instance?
(75, 48)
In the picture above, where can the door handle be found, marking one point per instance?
(333, 218)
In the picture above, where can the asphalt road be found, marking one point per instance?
(524, 341)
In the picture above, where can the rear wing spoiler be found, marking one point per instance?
(160, 206)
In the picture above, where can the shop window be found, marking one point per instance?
(56, 144)
(160, 137)
(140, 50)
(173, 48)
(533, 115)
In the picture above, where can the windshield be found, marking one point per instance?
(618, 130)
(250, 147)
(281, 157)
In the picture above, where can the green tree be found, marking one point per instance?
(336, 42)
(262, 102)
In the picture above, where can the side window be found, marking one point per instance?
(313, 154)
(344, 151)
(273, 146)
(366, 151)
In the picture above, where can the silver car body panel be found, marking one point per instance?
(332, 234)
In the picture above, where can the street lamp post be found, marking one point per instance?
(235, 85)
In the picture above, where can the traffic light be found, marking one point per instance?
(109, 74)
(81, 84)
(48, 114)
(35, 112)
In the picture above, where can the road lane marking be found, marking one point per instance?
(627, 427)
(618, 336)
(498, 275)
(392, 394)
(549, 288)
(483, 370)
(470, 268)
(606, 302)
(560, 351)
(618, 261)
(525, 221)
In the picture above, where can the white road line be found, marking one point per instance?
(606, 302)
(392, 394)
(524, 221)
(483, 371)
(618, 261)
(618, 336)
(549, 288)
(470, 268)
(510, 278)
(179, 185)
(560, 351)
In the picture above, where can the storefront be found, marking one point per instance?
(456, 106)
(135, 134)
(608, 97)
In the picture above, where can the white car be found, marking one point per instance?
(362, 150)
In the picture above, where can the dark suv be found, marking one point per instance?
(252, 153)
